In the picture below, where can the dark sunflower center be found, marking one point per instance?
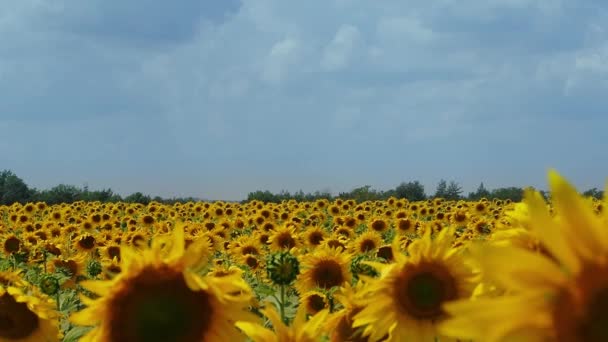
(315, 238)
(421, 292)
(594, 326)
(286, 241)
(328, 274)
(12, 245)
(16, 320)
(158, 305)
(87, 242)
(367, 245)
(316, 303)
(385, 252)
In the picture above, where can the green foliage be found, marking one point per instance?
(442, 188)
(513, 193)
(595, 193)
(413, 191)
(138, 197)
(13, 189)
(282, 268)
(480, 193)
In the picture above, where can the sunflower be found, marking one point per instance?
(300, 330)
(157, 297)
(325, 268)
(405, 302)
(284, 238)
(314, 236)
(378, 225)
(85, 243)
(313, 301)
(26, 315)
(558, 298)
(368, 241)
(12, 244)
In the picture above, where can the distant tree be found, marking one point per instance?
(361, 194)
(453, 191)
(513, 193)
(138, 197)
(264, 196)
(106, 195)
(594, 192)
(61, 193)
(413, 191)
(442, 188)
(13, 189)
(480, 193)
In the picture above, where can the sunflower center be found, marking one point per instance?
(581, 315)
(12, 245)
(315, 238)
(328, 274)
(286, 241)
(594, 327)
(316, 303)
(420, 292)
(158, 305)
(367, 245)
(16, 320)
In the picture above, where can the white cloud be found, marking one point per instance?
(281, 57)
(338, 52)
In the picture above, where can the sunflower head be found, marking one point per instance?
(157, 296)
(282, 268)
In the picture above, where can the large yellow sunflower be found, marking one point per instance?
(562, 296)
(406, 301)
(157, 297)
(26, 315)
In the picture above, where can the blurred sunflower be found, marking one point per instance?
(558, 298)
(26, 315)
(300, 329)
(157, 297)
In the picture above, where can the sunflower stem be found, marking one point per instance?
(282, 304)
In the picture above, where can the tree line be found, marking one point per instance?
(14, 189)
(413, 191)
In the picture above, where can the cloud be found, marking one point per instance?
(232, 96)
(338, 52)
(282, 55)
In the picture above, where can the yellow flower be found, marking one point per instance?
(26, 315)
(324, 269)
(157, 296)
(405, 302)
(563, 297)
(299, 331)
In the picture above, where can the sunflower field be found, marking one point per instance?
(393, 270)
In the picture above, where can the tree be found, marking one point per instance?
(264, 196)
(138, 197)
(13, 189)
(513, 193)
(61, 193)
(595, 193)
(480, 193)
(453, 191)
(442, 188)
(413, 191)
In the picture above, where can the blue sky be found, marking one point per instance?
(215, 99)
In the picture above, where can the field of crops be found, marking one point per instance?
(393, 270)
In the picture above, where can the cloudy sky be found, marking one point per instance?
(215, 99)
